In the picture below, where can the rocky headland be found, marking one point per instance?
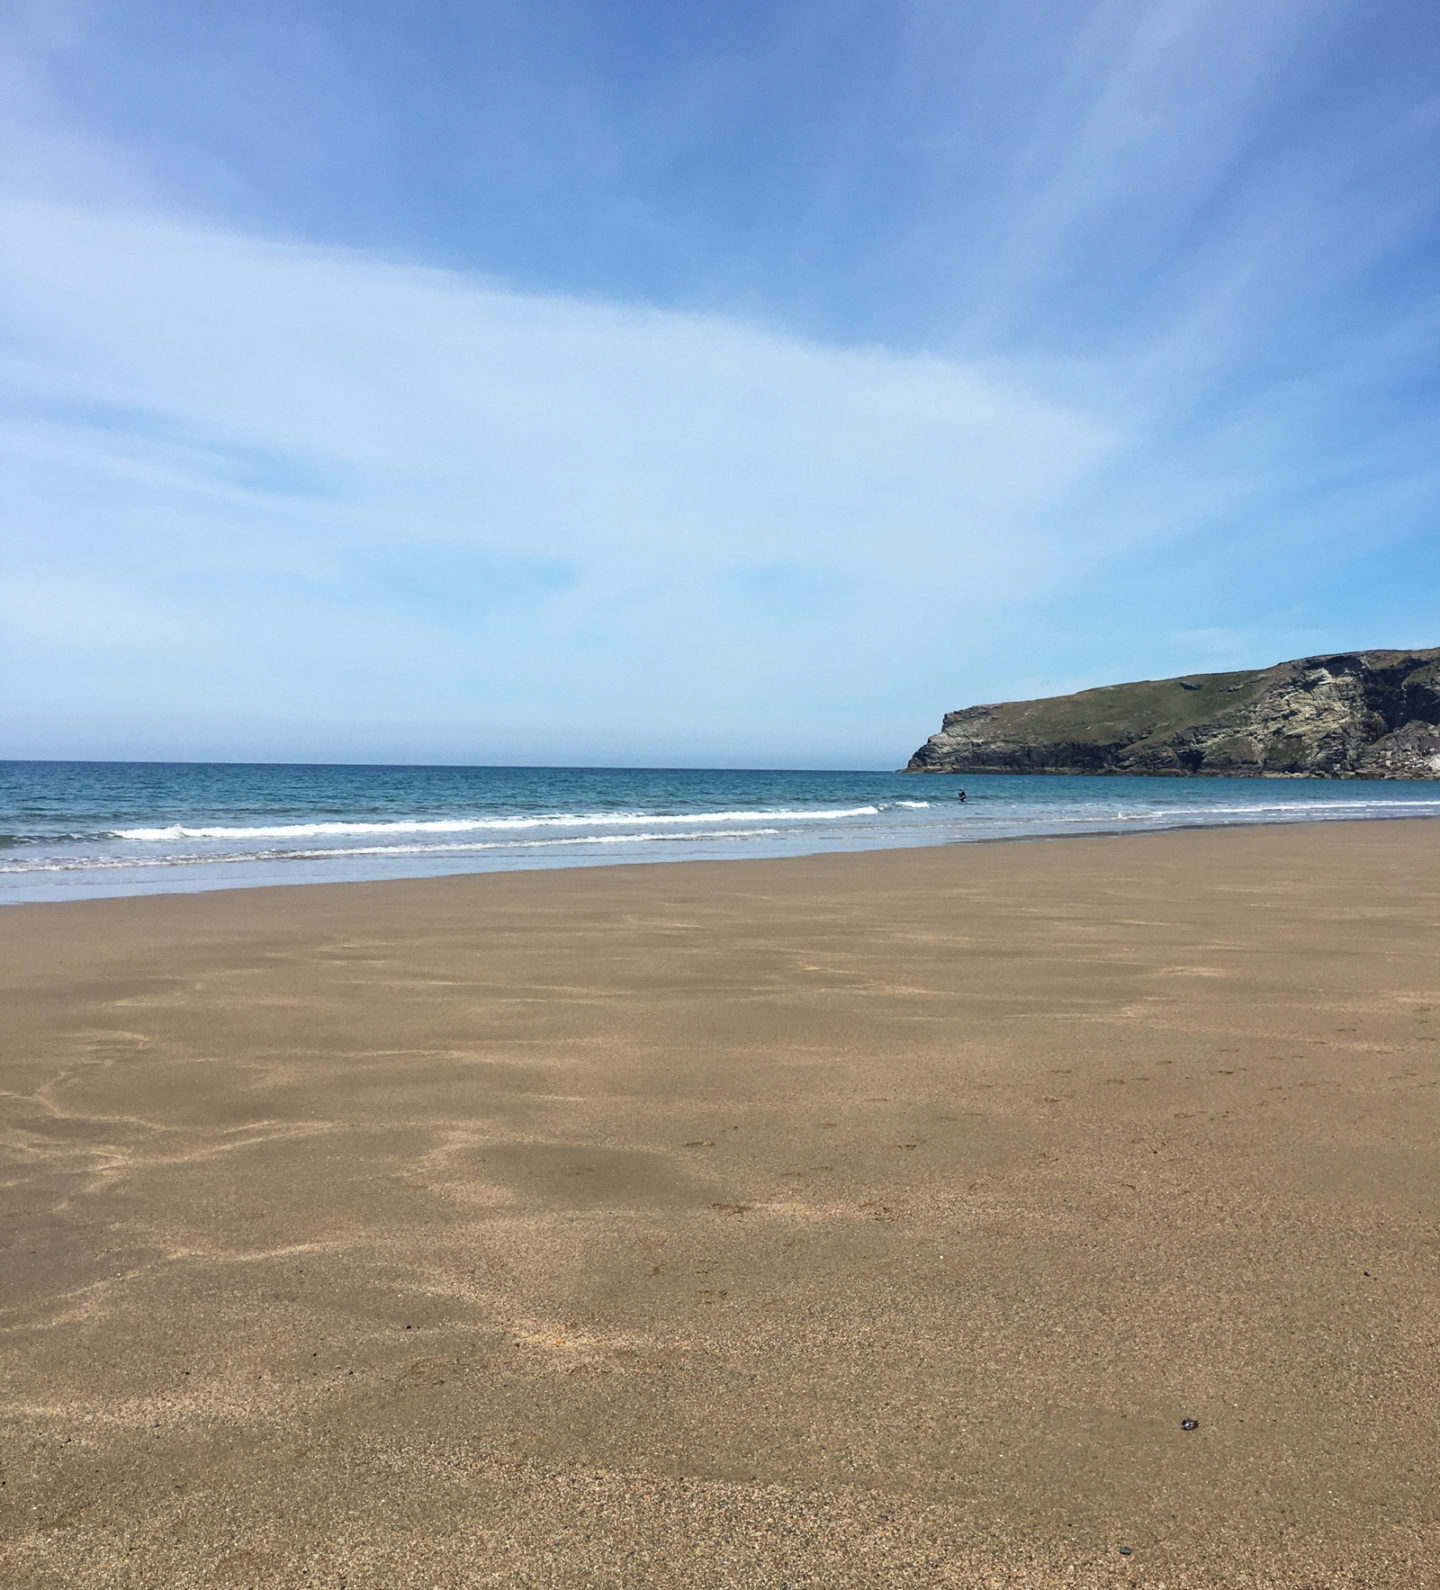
(1366, 714)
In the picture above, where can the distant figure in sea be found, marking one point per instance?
(960, 796)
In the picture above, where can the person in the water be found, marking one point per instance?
(960, 796)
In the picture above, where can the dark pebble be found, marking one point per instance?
(1189, 1424)
(1124, 1551)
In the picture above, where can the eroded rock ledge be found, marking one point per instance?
(1367, 714)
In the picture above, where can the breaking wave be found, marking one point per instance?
(466, 825)
(112, 863)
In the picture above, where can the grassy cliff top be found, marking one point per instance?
(1126, 713)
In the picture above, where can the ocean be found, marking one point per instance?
(81, 830)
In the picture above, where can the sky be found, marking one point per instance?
(617, 382)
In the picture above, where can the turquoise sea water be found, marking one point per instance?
(72, 830)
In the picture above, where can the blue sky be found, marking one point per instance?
(714, 384)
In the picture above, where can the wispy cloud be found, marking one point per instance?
(513, 487)
(751, 392)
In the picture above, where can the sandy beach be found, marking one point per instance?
(862, 1220)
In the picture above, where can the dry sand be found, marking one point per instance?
(865, 1220)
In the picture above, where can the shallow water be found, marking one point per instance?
(76, 830)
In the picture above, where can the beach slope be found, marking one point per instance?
(864, 1220)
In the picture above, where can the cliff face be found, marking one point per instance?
(1369, 714)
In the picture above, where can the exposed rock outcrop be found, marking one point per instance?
(1368, 714)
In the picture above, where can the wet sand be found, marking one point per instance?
(867, 1220)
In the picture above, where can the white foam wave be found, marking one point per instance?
(463, 825)
(121, 863)
(537, 844)
(1401, 805)
(1221, 815)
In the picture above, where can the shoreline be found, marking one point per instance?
(871, 1221)
(1132, 832)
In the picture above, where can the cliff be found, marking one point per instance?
(1368, 714)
